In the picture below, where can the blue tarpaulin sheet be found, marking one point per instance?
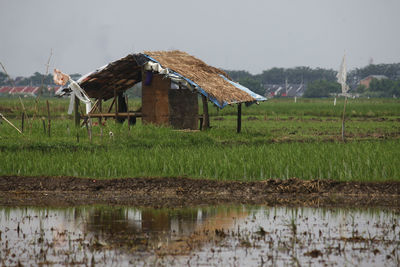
(245, 89)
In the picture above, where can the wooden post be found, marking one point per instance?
(48, 117)
(129, 117)
(239, 118)
(206, 118)
(44, 125)
(201, 123)
(22, 121)
(89, 129)
(100, 118)
(111, 106)
(343, 119)
(116, 103)
(77, 116)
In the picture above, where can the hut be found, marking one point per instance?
(171, 83)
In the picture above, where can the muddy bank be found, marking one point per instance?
(177, 192)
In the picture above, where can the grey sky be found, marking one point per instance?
(243, 35)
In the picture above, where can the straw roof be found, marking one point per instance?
(207, 77)
(119, 75)
(123, 73)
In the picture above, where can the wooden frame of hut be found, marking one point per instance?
(171, 82)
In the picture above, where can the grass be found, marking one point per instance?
(291, 143)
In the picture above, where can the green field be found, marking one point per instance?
(279, 139)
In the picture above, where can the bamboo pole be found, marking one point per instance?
(9, 122)
(48, 117)
(22, 121)
(77, 117)
(116, 103)
(13, 84)
(89, 130)
(111, 106)
(100, 118)
(47, 72)
(44, 125)
(343, 120)
(129, 117)
(41, 87)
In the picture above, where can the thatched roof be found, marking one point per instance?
(122, 74)
(119, 75)
(207, 77)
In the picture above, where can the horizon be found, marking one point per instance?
(232, 35)
(253, 74)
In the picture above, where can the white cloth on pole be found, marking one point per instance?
(342, 76)
(80, 94)
(156, 67)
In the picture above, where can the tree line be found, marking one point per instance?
(36, 79)
(319, 82)
(322, 82)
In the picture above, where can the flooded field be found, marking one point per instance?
(203, 236)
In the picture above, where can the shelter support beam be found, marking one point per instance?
(239, 118)
(206, 118)
(111, 106)
(112, 115)
(77, 116)
(100, 108)
(116, 103)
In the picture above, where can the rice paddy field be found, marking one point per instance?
(280, 138)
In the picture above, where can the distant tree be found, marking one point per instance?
(238, 74)
(384, 88)
(321, 88)
(253, 84)
(392, 71)
(273, 76)
(4, 79)
(35, 80)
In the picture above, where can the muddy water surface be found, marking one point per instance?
(202, 236)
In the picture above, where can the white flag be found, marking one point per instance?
(62, 79)
(342, 76)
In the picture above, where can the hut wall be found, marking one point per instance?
(183, 109)
(155, 108)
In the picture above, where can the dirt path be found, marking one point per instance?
(177, 192)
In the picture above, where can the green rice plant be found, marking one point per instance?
(284, 145)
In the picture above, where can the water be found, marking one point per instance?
(203, 236)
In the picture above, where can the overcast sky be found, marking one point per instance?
(230, 34)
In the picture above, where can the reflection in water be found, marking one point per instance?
(225, 235)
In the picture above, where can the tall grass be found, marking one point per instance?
(160, 151)
(268, 147)
(319, 108)
(364, 161)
